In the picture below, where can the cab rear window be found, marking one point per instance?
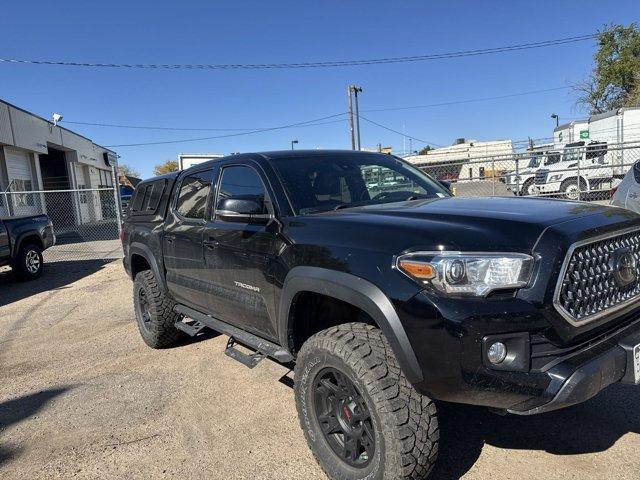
(147, 198)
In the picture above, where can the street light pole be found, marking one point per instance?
(554, 115)
(293, 142)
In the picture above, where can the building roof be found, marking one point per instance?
(52, 124)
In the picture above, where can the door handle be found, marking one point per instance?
(169, 238)
(211, 244)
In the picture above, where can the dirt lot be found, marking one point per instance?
(82, 397)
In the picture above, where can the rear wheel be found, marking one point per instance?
(29, 263)
(360, 415)
(154, 312)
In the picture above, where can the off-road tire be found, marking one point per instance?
(159, 330)
(405, 422)
(21, 266)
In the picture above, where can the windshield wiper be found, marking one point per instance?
(342, 205)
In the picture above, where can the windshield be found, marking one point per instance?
(572, 154)
(535, 160)
(324, 182)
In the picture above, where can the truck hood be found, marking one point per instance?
(471, 224)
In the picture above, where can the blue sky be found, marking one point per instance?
(241, 31)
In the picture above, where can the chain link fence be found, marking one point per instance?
(586, 172)
(86, 222)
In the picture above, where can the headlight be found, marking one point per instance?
(554, 178)
(471, 274)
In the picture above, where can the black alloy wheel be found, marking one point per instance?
(344, 417)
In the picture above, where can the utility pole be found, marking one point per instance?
(354, 127)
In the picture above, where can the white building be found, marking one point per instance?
(186, 160)
(468, 160)
(570, 132)
(38, 156)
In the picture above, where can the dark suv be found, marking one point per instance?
(388, 293)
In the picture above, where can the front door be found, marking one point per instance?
(240, 257)
(182, 240)
(4, 242)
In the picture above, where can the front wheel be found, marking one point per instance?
(571, 189)
(360, 415)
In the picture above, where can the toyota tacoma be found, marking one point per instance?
(22, 241)
(389, 294)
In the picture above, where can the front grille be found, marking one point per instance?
(541, 176)
(593, 283)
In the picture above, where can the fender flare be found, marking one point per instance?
(137, 248)
(355, 291)
(22, 236)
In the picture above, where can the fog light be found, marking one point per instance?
(497, 353)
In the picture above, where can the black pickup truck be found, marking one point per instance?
(388, 293)
(22, 241)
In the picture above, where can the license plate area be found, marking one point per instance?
(632, 349)
(636, 364)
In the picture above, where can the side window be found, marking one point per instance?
(241, 183)
(192, 198)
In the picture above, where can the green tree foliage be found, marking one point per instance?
(615, 80)
(425, 150)
(166, 167)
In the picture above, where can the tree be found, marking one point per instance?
(425, 150)
(615, 79)
(124, 169)
(166, 167)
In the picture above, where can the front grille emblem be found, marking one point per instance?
(626, 270)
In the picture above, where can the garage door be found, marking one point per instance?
(20, 179)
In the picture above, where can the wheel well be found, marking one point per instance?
(31, 239)
(583, 181)
(312, 312)
(138, 264)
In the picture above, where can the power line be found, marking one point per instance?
(165, 142)
(471, 100)
(322, 64)
(185, 129)
(385, 109)
(399, 133)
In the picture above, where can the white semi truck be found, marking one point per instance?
(598, 162)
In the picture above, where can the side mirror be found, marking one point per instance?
(445, 184)
(242, 210)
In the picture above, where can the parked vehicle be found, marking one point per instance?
(522, 181)
(22, 241)
(583, 168)
(627, 194)
(389, 301)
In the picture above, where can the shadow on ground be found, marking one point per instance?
(594, 426)
(18, 409)
(56, 275)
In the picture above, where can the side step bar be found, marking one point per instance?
(264, 347)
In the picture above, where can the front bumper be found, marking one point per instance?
(552, 187)
(572, 384)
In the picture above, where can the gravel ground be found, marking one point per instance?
(82, 397)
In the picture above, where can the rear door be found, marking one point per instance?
(182, 239)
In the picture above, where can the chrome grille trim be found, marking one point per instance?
(563, 272)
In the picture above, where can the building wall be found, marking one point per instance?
(28, 136)
(471, 160)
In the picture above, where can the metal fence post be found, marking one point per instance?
(578, 170)
(493, 175)
(517, 175)
(116, 198)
